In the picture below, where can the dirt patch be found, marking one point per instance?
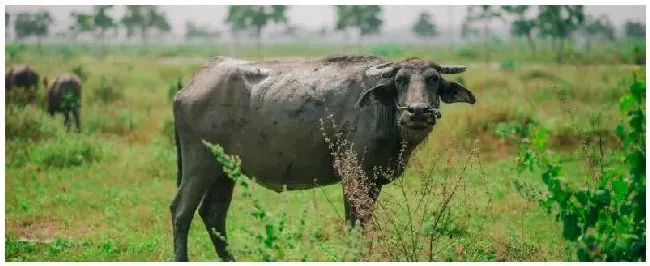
(37, 231)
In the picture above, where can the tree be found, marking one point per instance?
(467, 31)
(7, 20)
(81, 23)
(102, 21)
(23, 25)
(156, 20)
(521, 26)
(558, 22)
(483, 14)
(634, 29)
(598, 28)
(423, 27)
(367, 19)
(42, 21)
(256, 18)
(36, 25)
(133, 18)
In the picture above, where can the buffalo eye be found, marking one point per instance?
(433, 78)
(402, 79)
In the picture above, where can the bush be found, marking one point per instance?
(606, 219)
(30, 123)
(122, 123)
(106, 93)
(467, 52)
(509, 64)
(66, 151)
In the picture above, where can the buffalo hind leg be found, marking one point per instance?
(213, 211)
(198, 174)
(66, 120)
(75, 115)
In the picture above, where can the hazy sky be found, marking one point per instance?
(314, 17)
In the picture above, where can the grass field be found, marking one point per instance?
(103, 195)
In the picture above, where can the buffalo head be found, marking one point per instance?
(415, 87)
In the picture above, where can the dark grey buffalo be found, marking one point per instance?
(64, 96)
(269, 113)
(21, 76)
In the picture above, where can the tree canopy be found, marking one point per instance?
(424, 27)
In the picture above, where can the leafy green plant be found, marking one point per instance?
(519, 128)
(29, 122)
(70, 101)
(269, 247)
(66, 152)
(607, 221)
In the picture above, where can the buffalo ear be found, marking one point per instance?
(452, 92)
(384, 93)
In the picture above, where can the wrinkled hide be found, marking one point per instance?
(269, 114)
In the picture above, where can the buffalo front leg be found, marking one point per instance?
(358, 203)
(213, 211)
(198, 174)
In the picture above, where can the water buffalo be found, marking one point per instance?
(269, 113)
(21, 76)
(64, 96)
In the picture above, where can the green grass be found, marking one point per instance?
(104, 195)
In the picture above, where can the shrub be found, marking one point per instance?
(509, 64)
(270, 246)
(66, 151)
(29, 123)
(467, 52)
(606, 219)
(106, 93)
(122, 123)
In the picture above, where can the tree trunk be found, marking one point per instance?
(487, 48)
(451, 28)
(531, 42)
(259, 42)
(554, 44)
(560, 51)
(359, 40)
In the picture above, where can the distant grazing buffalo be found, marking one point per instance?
(64, 96)
(21, 76)
(269, 114)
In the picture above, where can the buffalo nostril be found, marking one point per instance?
(420, 109)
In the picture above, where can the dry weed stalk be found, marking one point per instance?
(410, 225)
